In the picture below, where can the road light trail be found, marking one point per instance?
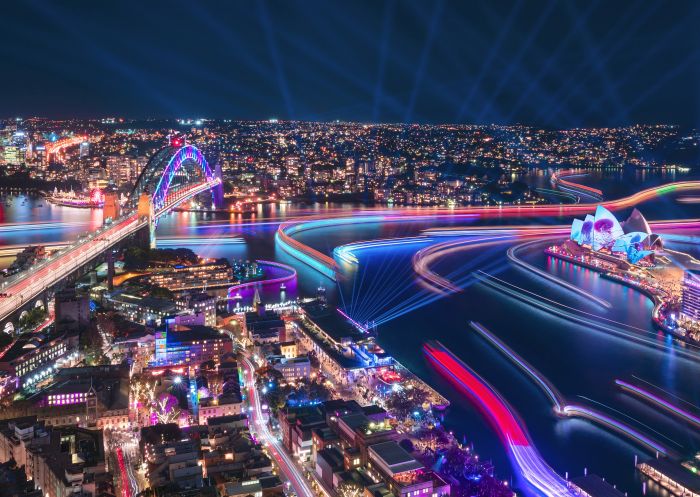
(286, 465)
(540, 477)
(126, 485)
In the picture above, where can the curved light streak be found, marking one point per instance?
(511, 254)
(559, 181)
(658, 401)
(604, 419)
(346, 252)
(524, 455)
(425, 257)
(328, 267)
(291, 274)
(570, 313)
(554, 396)
(558, 193)
(561, 407)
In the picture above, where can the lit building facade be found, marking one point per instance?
(179, 278)
(603, 231)
(199, 303)
(189, 344)
(690, 303)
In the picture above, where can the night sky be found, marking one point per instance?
(558, 64)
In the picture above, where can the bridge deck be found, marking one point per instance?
(27, 285)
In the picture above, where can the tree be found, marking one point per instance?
(166, 409)
(135, 259)
(349, 488)
(32, 318)
(162, 293)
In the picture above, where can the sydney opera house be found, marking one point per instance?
(602, 232)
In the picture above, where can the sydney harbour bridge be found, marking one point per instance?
(172, 176)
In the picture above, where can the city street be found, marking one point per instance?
(258, 425)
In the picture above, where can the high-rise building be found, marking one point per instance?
(72, 310)
(84, 149)
(111, 209)
(199, 303)
(123, 170)
(13, 155)
(690, 305)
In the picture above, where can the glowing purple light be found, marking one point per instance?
(292, 274)
(654, 399)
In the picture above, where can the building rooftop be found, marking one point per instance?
(355, 420)
(677, 473)
(395, 457)
(190, 333)
(595, 486)
(330, 321)
(347, 362)
(27, 343)
(332, 456)
(225, 420)
(152, 303)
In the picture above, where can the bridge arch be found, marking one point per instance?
(171, 167)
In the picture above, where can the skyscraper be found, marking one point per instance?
(690, 306)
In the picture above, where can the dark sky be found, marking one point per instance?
(558, 63)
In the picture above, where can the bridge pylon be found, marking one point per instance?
(218, 192)
(145, 209)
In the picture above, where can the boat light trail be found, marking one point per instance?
(512, 256)
(347, 252)
(554, 396)
(569, 186)
(561, 407)
(328, 266)
(425, 257)
(658, 401)
(537, 301)
(604, 419)
(187, 240)
(528, 462)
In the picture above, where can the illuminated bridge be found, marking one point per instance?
(172, 176)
